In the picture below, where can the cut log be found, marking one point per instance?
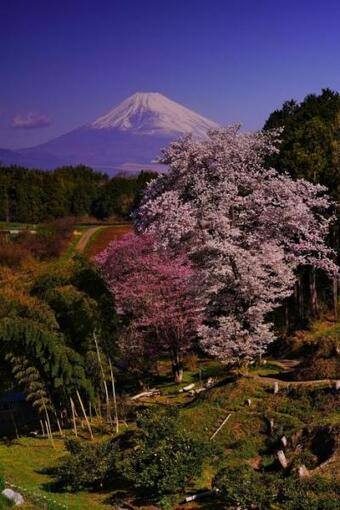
(149, 393)
(199, 495)
(187, 388)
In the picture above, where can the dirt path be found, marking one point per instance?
(85, 238)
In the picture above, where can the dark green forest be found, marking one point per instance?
(34, 196)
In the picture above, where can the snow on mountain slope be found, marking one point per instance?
(128, 138)
(152, 113)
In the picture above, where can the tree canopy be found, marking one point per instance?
(246, 227)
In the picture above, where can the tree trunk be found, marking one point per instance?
(286, 316)
(335, 297)
(301, 300)
(177, 368)
(313, 293)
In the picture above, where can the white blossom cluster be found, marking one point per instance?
(247, 227)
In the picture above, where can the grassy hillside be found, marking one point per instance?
(245, 438)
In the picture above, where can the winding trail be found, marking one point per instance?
(85, 238)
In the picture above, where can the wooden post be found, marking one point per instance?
(281, 457)
(271, 425)
(85, 415)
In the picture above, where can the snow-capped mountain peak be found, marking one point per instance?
(152, 113)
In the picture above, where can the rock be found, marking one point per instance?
(13, 496)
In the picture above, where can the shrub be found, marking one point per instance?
(243, 487)
(87, 465)
(166, 457)
(323, 362)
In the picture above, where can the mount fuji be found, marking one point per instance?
(128, 138)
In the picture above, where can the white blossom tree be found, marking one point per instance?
(246, 227)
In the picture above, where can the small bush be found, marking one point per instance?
(323, 362)
(86, 466)
(165, 457)
(243, 487)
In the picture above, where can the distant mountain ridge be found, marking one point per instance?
(127, 138)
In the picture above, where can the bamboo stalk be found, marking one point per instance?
(42, 428)
(74, 418)
(48, 424)
(108, 413)
(114, 398)
(222, 425)
(85, 415)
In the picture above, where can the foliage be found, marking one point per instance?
(48, 242)
(248, 228)
(48, 316)
(166, 457)
(87, 465)
(34, 196)
(310, 139)
(322, 362)
(241, 486)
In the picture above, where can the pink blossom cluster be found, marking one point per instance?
(155, 290)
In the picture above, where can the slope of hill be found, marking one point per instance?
(127, 138)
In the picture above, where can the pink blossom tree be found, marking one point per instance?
(157, 292)
(246, 227)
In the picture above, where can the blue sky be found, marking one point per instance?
(63, 63)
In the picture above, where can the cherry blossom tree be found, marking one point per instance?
(157, 292)
(245, 226)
